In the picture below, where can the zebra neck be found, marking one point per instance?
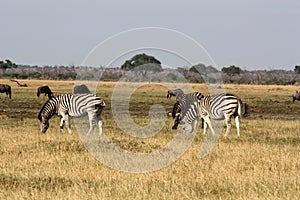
(49, 109)
(50, 113)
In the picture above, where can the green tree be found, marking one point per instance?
(297, 69)
(7, 64)
(142, 59)
(232, 70)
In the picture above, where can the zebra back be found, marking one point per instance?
(79, 104)
(74, 105)
(215, 106)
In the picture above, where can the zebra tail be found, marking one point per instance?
(241, 112)
(245, 113)
(240, 105)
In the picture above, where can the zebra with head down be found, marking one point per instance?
(190, 107)
(185, 110)
(72, 105)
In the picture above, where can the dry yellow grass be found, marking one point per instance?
(263, 163)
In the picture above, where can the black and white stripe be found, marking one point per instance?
(220, 107)
(190, 111)
(72, 105)
(176, 114)
(185, 110)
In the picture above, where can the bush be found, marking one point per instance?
(35, 75)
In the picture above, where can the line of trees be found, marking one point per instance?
(141, 66)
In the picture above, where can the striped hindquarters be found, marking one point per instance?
(217, 105)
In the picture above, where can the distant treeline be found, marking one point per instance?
(152, 73)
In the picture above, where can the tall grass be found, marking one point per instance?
(263, 163)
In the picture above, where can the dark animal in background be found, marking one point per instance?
(44, 90)
(4, 88)
(296, 96)
(81, 89)
(178, 93)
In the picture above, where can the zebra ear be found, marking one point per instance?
(199, 95)
(169, 95)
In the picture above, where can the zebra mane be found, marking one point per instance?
(46, 105)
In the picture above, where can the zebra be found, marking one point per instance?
(220, 107)
(176, 112)
(72, 105)
(185, 109)
(217, 107)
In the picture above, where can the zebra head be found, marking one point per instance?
(44, 124)
(190, 114)
(187, 127)
(47, 111)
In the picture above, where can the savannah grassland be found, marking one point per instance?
(263, 163)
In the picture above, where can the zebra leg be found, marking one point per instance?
(92, 122)
(61, 125)
(207, 120)
(237, 122)
(228, 124)
(67, 120)
(195, 123)
(100, 123)
(204, 127)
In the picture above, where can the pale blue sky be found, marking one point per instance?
(257, 34)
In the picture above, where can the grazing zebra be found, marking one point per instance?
(296, 96)
(4, 88)
(176, 112)
(72, 105)
(44, 90)
(219, 107)
(185, 110)
(81, 89)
